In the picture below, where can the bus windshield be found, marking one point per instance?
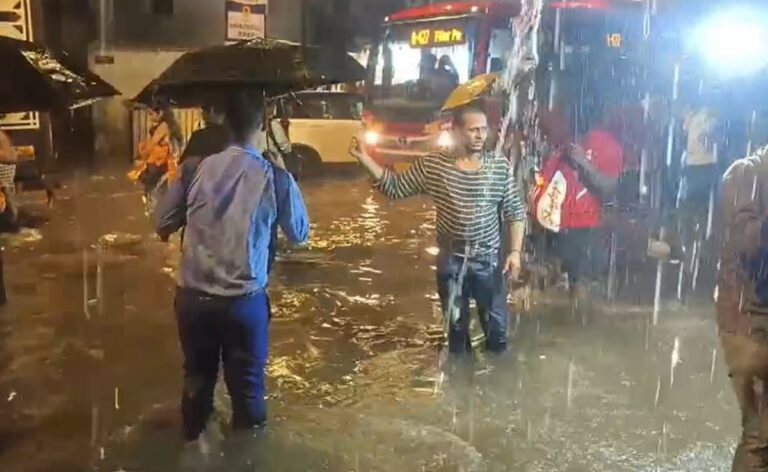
(423, 61)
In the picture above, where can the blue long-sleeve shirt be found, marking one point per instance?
(230, 203)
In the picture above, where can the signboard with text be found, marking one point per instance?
(436, 37)
(246, 19)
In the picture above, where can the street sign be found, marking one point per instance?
(246, 19)
(430, 37)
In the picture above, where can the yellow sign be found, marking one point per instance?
(614, 40)
(437, 37)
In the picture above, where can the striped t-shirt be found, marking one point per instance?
(467, 202)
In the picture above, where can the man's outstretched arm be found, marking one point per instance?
(394, 185)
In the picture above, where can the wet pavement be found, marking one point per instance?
(90, 369)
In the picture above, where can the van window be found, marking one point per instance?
(326, 107)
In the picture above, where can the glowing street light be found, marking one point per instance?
(733, 42)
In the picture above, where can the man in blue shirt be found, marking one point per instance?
(229, 204)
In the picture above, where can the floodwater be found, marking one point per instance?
(91, 372)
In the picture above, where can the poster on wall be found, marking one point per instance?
(16, 22)
(246, 19)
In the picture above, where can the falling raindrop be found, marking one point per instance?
(569, 390)
(86, 305)
(439, 382)
(695, 262)
(711, 212)
(647, 335)
(663, 440)
(657, 292)
(674, 360)
(94, 424)
(712, 367)
(99, 281)
(754, 188)
(647, 21)
(558, 30)
(676, 83)
(612, 268)
(117, 398)
(657, 397)
(471, 420)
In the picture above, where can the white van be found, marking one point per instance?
(322, 124)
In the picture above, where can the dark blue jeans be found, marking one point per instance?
(232, 331)
(483, 282)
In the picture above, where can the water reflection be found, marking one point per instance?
(356, 379)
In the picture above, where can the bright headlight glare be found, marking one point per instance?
(445, 140)
(734, 42)
(372, 138)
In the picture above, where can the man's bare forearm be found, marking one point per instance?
(373, 167)
(605, 185)
(516, 236)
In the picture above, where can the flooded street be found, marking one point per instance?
(91, 368)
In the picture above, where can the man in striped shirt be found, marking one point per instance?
(474, 191)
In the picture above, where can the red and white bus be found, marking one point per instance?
(422, 54)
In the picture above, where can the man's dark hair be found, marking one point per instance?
(243, 114)
(460, 113)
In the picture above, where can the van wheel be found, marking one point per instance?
(309, 162)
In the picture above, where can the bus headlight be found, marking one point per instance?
(445, 140)
(372, 138)
(734, 42)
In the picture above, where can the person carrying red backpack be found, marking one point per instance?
(573, 185)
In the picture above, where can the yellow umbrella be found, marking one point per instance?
(469, 91)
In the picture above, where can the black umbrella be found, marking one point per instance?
(277, 67)
(35, 78)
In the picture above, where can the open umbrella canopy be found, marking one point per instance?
(277, 67)
(34, 78)
(469, 91)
